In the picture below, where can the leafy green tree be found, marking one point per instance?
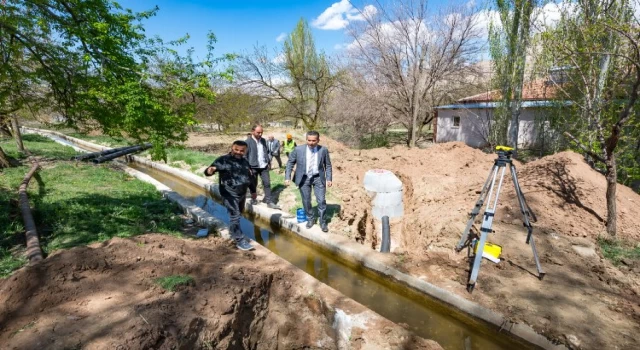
(299, 76)
(508, 45)
(233, 109)
(90, 61)
(597, 43)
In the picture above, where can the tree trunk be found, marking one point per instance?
(17, 134)
(413, 132)
(612, 177)
(34, 253)
(514, 126)
(4, 160)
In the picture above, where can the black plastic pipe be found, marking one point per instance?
(121, 153)
(88, 156)
(386, 235)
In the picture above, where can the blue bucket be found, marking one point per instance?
(301, 215)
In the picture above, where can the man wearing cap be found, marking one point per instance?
(288, 145)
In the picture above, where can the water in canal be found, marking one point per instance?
(421, 315)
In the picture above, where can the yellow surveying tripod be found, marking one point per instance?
(503, 160)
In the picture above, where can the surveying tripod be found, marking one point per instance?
(503, 160)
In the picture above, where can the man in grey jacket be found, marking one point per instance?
(313, 170)
(274, 150)
(258, 157)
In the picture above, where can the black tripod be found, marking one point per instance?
(503, 160)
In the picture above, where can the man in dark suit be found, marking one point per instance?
(313, 170)
(258, 157)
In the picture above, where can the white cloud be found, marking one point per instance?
(543, 17)
(550, 14)
(339, 14)
(281, 37)
(279, 59)
(485, 19)
(339, 46)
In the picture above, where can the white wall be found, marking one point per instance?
(474, 128)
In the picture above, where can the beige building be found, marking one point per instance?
(468, 119)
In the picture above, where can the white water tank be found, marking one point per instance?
(386, 190)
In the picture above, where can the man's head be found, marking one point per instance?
(313, 137)
(289, 137)
(256, 131)
(238, 149)
(270, 137)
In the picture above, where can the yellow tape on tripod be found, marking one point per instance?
(491, 249)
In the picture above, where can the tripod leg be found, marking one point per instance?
(487, 222)
(525, 219)
(476, 210)
(535, 257)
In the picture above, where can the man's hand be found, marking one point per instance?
(287, 182)
(211, 170)
(329, 183)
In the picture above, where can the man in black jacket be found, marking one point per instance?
(258, 156)
(234, 179)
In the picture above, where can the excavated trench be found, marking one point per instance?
(425, 317)
(422, 316)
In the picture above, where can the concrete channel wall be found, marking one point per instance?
(349, 251)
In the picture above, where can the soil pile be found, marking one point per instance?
(584, 301)
(568, 196)
(104, 297)
(582, 290)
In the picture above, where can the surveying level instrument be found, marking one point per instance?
(468, 238)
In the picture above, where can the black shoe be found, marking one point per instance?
(324, 227)
(309, 224)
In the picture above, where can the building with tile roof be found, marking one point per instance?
(468, 119)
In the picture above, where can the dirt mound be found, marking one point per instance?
(439, 183)
(568, 197)
(104, 297)
(442, 184)
(582, 290)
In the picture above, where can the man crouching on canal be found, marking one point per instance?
(234, 179)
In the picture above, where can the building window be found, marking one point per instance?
(456, 121)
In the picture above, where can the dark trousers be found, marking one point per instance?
(266, 183)
(277, 157)
(234, 199)
(319, 189)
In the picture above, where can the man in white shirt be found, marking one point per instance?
(258, 156)
(313, 171)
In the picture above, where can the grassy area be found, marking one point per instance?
(171, 282)
(616, 250)
(104, 140)
(175, 155)
(76, 203)
(194, 159)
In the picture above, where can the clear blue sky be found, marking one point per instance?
(238, 24)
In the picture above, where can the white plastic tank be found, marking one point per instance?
(386, 190)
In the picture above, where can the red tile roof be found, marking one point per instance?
(537, 90)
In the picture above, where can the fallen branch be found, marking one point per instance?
(34, 253)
